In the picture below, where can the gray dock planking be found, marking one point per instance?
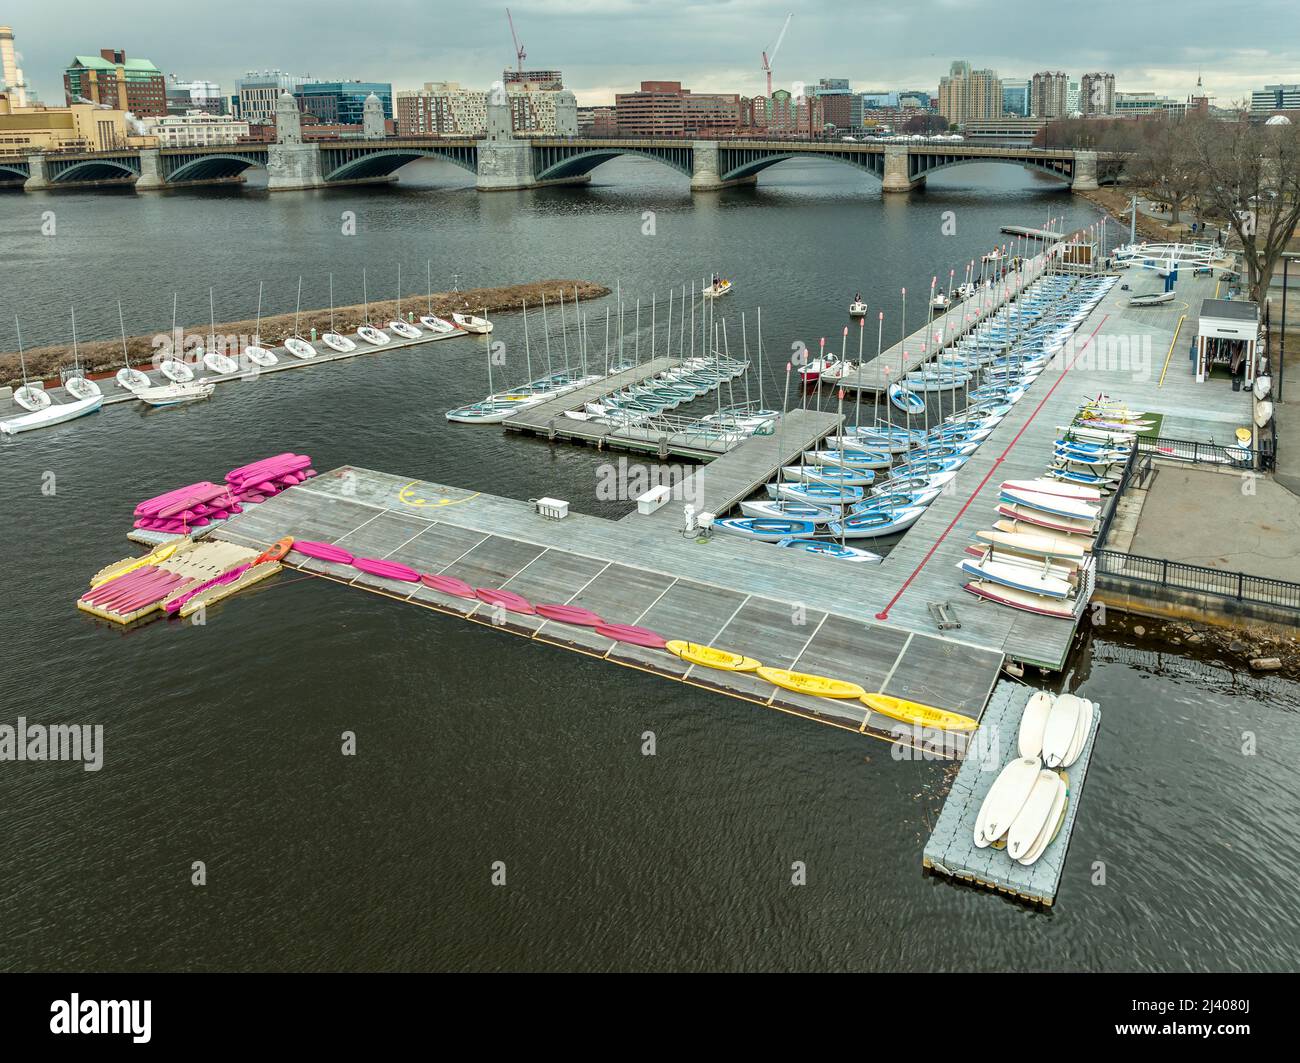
(115, 394)
(951, 849)
(724, 592)
(718, 486)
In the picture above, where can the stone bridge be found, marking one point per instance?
(500, 160)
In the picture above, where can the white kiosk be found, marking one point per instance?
(1227, 335)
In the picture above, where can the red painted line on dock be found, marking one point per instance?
(884, 613)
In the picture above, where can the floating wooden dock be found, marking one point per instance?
(919, 347)
(788, 611)
(114, 394)
(951, 849)
(1033, 234)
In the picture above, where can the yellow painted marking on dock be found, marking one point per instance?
(1177, 329)
(408, 498)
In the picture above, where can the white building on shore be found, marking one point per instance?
(196, 129)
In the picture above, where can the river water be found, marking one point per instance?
(222, 742)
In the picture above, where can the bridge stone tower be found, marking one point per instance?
(1085, 172)
(896, 174)
(291, 164)
(372, 118)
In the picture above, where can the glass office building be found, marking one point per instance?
(342, 102)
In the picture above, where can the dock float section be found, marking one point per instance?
(951, 849)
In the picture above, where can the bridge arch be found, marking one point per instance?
(357, 164)
(95, 170)
(557, 163)
(17, 169)
(736, 164)
(921, 166)
(213, 167)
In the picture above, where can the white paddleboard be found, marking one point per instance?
(1058, 735)
(1034, 722)
(1050, 824)
(1080, 734)
(1005, 799)
(1033, 817)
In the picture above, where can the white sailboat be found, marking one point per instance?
(430, 320)
(77, 385)
(173, 368)
(213, 359)
(295, 344)
(368, 332)
(331, 338)
(402, 328)
(128, 378)
(47, 413)
(255, 352)
(479, 326)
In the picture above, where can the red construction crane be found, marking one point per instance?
(767, 63)
(520, 54)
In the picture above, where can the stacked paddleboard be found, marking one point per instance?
(1024, 809)
(197, 505)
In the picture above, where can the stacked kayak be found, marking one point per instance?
(197, 505)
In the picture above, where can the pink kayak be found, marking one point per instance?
(637, 636)
(322, 552)
(227, 577)
(181, 498)
(448, 585)
(569, 614)
(506, 599)
(118, 583)
(386, 569)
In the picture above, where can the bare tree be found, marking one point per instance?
(1165, 165)
(1250, 175)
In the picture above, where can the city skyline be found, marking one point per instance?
(719, 54)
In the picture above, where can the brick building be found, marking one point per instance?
(113, 80)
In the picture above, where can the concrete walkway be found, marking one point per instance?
(1207, 517)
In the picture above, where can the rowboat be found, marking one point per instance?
(917, 713)
(711, 656)
(907, 401)
(55, 413)
(817, 685)
(823, 548)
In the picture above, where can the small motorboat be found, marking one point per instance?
(823, 548)
(857, 308)
(939, 302)
(172, 394)
(52, 414)
(720, 286)
(479, 326)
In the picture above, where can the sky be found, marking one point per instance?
(606, 46)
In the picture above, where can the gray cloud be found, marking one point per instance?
(606, 45)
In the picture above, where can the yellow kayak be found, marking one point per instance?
(711, 657)
(130, 564)
(818, 685)
(915, 712)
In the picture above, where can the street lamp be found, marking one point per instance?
(1287, 256)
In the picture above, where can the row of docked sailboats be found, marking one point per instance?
(839, 492)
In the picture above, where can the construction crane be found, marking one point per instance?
(520, 54)
(767, 63)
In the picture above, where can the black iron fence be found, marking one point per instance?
(1198, 579)
(1189, 450)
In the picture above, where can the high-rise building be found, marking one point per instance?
(112, 79)
(445, 108)
(342, 102)
(787, 114)
(1015, 97)
(1097, 94)
(256, 94)
(1262, 101)
(843, 110)
(12, 82)
(1049, 95)
(966, 94)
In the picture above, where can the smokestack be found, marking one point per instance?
(10, 74)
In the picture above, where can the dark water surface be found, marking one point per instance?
(222, 741)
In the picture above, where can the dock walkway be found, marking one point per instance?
(951, 849)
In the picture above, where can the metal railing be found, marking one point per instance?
(1189, 450)
(1178, 575)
